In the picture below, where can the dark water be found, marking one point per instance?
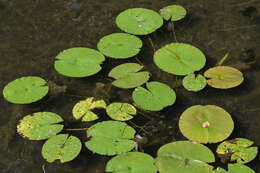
(33, 32)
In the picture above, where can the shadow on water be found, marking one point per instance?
(33, 32)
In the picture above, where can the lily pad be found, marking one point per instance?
(219, 170)
(61, 147)
(25, 90)
(121, 111)
(206, 124)
(128, 76)
(192, 83)
(131, 162)
(83, 109)
(224, 77)
(79, 62)
(239, 149)
(179, 58)
(156, 97)
(139, 21)
(120, 45)
(184, 157)
(40, 125)
(239, 168)
(173, 12)
(110, 138)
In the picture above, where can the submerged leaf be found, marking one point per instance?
(173, 12)
(121, 111)
(192, 83)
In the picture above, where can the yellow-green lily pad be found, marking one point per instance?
(121, 111)
(239, 168)
(192, 83)
(173, 12)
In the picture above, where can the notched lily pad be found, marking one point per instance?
(40, 125)
(239, 168)
(128, 75)
(110, 138)
(25, 90)
(83, 109)
(224, 77)
(192, 83)
(173, 12)
(61, 147)
(121, 111)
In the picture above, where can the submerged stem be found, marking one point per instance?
(173, 32)
(151, 42)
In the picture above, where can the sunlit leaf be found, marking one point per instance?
(121, 111)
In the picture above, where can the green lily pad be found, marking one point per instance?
(173, 12)
(219, 170)
(25, 90)
(83, 109)
(40, 125)
(192, 83)
(184, 157)
(131, 162)
(139, 21)
(110, 138)
(79, 62)
(61, 147)
(128, 76)
(239, 149)
(239, 168)
(224, 77)
(179, 58)
(206, 124)
(120, 45)
(156, 97)
(121, 111)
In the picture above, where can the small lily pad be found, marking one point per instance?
(156, 97)
(131, 162)
(79, 62)
(25, 90)
(219, 170)
(61, 147)
(120, 45)
(206, 124)
(224, 77)
(128, 76)
(239, 168)
(110, 138)
(84, 109)
(121, 111)
(139, 21)
(179, 58)
(192, 83)
(40, 125)
(184, 157)
(173, 12)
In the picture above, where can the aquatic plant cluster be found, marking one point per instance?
(200, 124)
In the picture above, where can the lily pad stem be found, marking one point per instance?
(77, 129)
(173, 33)
(151, 42)
(223, 59)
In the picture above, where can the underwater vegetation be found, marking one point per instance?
(200, 124)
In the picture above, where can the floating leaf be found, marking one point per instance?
(110, 138)
(224, 77)
(173, 12)
(156, 97)
(131, 162)
(179, 58)
(139, 21)
(84, 109)
(79, 62)
(239, 168)
(206, 124)
(184, 157)
(128, 76)
(192, 83)
(121, 111)
(120, 45)
(219, 170)
(61, 147)
(238, 149)
(25, 90)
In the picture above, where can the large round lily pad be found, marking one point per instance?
(139, 21)
(192, 83)
(173, 12)
(79, 62)
(25, 90)
(40, 125)
(179, 58)
(121, 111)
(128, 75)
(184, 157)
(120, 45)
(224, 77)
(239, 168)
(206, 124)
(61, 147)
(156, 97)
(110, 138)
(131, 162)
